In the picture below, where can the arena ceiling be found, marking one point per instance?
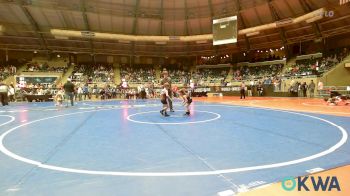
(27, 24)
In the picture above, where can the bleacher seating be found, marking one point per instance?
(256, 72)
(216, 75)
(138, 73)
(93, 73)
(178, 75)
(6, 71)
(317, 66)
(45, 67)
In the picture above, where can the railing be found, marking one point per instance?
(327, 91)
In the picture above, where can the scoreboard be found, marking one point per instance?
(225, 30)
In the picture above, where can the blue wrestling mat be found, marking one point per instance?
(128, 148)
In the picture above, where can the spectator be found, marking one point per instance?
(69, 91)
(320, 88)
(80, 93)
(242, 90)
(86, 91)
(303, 88)
(260, 89)
(311, 88)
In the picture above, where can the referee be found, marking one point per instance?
(167, 79)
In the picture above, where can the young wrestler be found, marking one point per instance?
(59, 98)
(164, 96)
(337, 100)
(186, 100)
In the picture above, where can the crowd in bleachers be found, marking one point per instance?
(204, 76)
(85, 76)
(138, 74)
(93, 73)
(45, 67)
(6, 71)
(317, 66)
(178, 75)
(214, 60)
(257, 72)
(267, 58)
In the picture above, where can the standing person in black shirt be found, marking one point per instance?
(69, 89)
(260, 89)
(242, 90)
(304, 89)
(167, 79)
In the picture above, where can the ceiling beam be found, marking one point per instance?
(22, 4)
(211, 8)
(306, 7)
(188, 49)
(136, 15)
(240, 19)
(161, 17)
(186, 18)
(86, 22)
(134, 27)
(276, 18)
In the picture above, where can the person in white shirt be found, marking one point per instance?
(80, 93)
(320, 87)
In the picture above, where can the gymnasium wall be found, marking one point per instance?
(339, 76)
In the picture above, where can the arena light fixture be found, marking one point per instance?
(201, 42)
(60, 33)
(124, 41)
(296, 20)
(160, 43)
(61, 37)
(252, 34)
(123, 37)
(314, 19)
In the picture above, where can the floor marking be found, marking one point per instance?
(226, 193)
(12, 190)
(53, 109)
(253, 103)
(172, 123)
(314, 170)
(341, 142)
(314, 105)
(5, 123)
(262, 186)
